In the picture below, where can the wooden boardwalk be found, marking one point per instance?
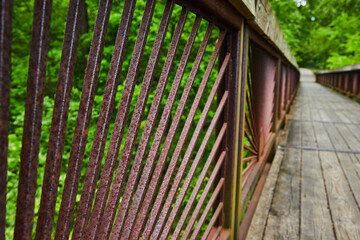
(313, 187)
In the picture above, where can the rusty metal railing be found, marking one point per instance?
(345, 80)
(183, 132)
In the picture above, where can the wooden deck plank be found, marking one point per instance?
(351, 168)
(315, 216)
(344, 211)
(324, 116)
(259, 221)
(315, 115)
(297, 111)
(306, 113)
(322, 138)
(336, 139)
(334, 115)
(355, 129)
(283, 219)
(343, 117)
(353, 115)
(348, 136)
(308, 137)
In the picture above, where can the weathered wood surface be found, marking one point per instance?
(313, 189)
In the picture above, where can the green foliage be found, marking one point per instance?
(322, 34)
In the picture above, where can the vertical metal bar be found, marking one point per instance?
(59, 120)
(5, 78)
(167, 178)
(195, 192)
(121, 173)
(356, 84)
(241, 50)
(102, 128)
(167, 145)
(277, 95)
(216, 214)
(345, 82)
(280, 101)
(339, 77)
(179, 176)
(287, 98)
(283, 88)
(120, 121)
(207, 209)
(83, 118)
(32, 123)
(140, 153)
(171, 133)
(144, 180)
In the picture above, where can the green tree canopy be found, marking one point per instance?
(322, 34)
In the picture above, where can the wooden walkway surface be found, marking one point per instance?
(313, 187)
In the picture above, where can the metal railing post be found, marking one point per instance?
(5, 77)
(235, 84)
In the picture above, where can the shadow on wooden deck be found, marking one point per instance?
(313, 187)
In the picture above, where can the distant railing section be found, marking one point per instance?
(183, 156)
(345, 80)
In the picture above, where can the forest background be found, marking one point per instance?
(322, 34)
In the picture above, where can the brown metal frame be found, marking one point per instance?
(5, 77)
(151, 206)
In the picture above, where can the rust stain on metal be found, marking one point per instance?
(196, 190)
(134, 128)
(100, 224)
(83, 120)
(32, 122)
(191, 146)
(170, 138)
(97, 151)
(59, 120)
(140, 155)
(135, 228)
(211, 223)
(5, 78)
(207, 210)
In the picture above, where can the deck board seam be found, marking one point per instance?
(317, 121)
(317, 149)
(300, 178)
